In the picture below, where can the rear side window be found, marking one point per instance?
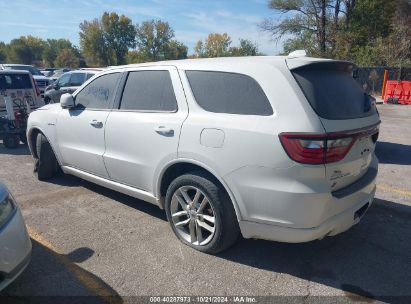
(98, 93)
(149, 91)
(232, 93)
(77, 79)
(332, 91)
(15, 81)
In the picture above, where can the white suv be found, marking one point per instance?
(270, 147)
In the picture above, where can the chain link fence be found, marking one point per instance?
(371, 78)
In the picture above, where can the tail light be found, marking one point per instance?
(35, 85)
(322, 148)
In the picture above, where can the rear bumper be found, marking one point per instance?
(333, 226)
(15, 249)
(295, 204)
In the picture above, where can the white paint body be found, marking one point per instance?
(15, 245)
(274, 197)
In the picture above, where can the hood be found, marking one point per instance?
(50, 106)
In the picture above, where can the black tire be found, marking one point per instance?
(46, 165)
(11, 141)
(47, 100)
(226, 224)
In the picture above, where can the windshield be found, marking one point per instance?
(29, 68)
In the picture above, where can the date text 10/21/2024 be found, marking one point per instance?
(203, 299)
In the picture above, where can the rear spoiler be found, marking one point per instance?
(316, 63)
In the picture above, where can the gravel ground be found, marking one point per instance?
(90, 241)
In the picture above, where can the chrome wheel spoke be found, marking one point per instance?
(204, 202)
(205, 226)
(180, 213)
(185, 196)
(181, 201)
(196, 197)
(208, 218)
(199, 233)
(182, 223)
(192, 227)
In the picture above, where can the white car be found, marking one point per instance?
(275, 148)
(15, 244)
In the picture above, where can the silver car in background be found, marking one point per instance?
(15, 244)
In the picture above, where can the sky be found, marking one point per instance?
(191, 20)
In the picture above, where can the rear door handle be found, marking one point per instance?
(96, 123)
(162, 130)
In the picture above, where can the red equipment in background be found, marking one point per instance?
(398, 92)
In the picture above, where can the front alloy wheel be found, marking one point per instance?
(193, 215)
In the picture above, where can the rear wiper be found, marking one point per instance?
(368, 102)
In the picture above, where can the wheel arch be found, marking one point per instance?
(182, 166)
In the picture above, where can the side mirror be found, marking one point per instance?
(67, 101)
(56, 86)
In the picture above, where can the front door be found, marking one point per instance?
(80, 131)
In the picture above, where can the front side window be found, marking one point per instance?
(149, 91)
(64, 80)
(222, 92)
(76, 79)
(98, 93)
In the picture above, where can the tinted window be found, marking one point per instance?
(15, 81)
(89, 76)
(232, 93)
(76, 79)
(29, 68)
(64, 80)
(98, 93)
(149, 91)
(333, 92)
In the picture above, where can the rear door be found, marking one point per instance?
(346, 112)
(142, 134)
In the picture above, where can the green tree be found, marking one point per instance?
(175, 50)
(246, 48)
(216, 45)
(106, 41)
(300, 16)
(26, 50)
(153, 38)
(119, 34)
(395, 49)
(67, 58)
(93, 44)
(52, 48)
(3, 52)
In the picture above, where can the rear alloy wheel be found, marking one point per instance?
(200, 213)
(193, 215)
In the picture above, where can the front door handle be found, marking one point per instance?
(96, 123)
(162, 130)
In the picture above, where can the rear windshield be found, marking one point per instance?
(29, 68)
(15, 81)
(333, 92)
